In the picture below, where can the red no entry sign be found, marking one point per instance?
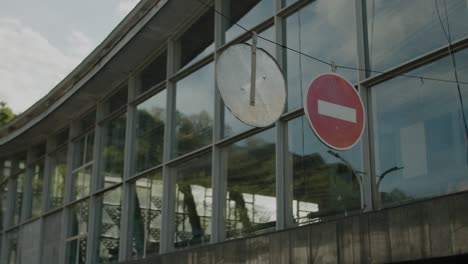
(335, 111)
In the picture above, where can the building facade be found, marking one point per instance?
(134, 158)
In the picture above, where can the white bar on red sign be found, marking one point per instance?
(337, 111)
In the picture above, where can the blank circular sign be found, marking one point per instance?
(233, 78)
(335, 111)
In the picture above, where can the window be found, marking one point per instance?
(109, 233)
(401, 30)
(77, 233)
(51, 238)
(323, 185)
(112, 152)
(197, 41)
(146, 219)
(194, 111)
(58, 175)
(37, 187)
(82, 165)
(153, 74)
(19, 183)
(149, 144)
(248, 13)
(251, 185)
(420, 144)
(324, 29)
(193, 202)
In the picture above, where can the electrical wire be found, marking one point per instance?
(322, 60)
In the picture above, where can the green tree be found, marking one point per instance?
(6, 115)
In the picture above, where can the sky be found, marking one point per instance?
(41, 42)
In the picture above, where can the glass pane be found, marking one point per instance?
(76, 251)
(89, 147)
(194, 110)
(193, 202)
(420, 141)
(6, 172)
(154, 73)
(248, 13)
(12, 241)
(325, 29)
(232, 125)
(150, 116)
(401, 30)
(118, 100)
(323, 185)
(113, 151)
(29, 248)
(111, 203)
(18, 198)
(79, 219)
(57, 185)
(82, 184)
(79, 150)
(37, 187)
(251, 185)
(147, 218)
(88, 121)
(4, 203)
(197, 41)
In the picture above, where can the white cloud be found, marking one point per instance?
(125, 6)
(30, 65)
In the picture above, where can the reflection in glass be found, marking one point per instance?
(232, 125)
(111, 204)
(400, 30)
(324, 29)
(323, 184)
(153, 74)
(6, 172)
(18, 198)
(420, 144)
(194, 110)
(147, 217)
(193, 202)
(57, 184)
(149, 131)
(37, 185)
(112, 154)
(4, 203)
(248, 14)
(118, 99)
(83, 165)
(12, 241)
(76, 251)
(251, 185)
(198, 41)
(78, 230)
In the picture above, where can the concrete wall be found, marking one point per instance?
(426, 229)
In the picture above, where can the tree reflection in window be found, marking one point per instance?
(251, 183)
(57, 185)
(193, 202)
(324, 186)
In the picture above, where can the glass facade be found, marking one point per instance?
(193, 175)
(112, 152)
(146, 226)
(251, 185)
(110, 204)
(82, 166)
(37, 187)
(149, 132)
(57, 181)
(194, 111)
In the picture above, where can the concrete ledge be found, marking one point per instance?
(422, 230)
